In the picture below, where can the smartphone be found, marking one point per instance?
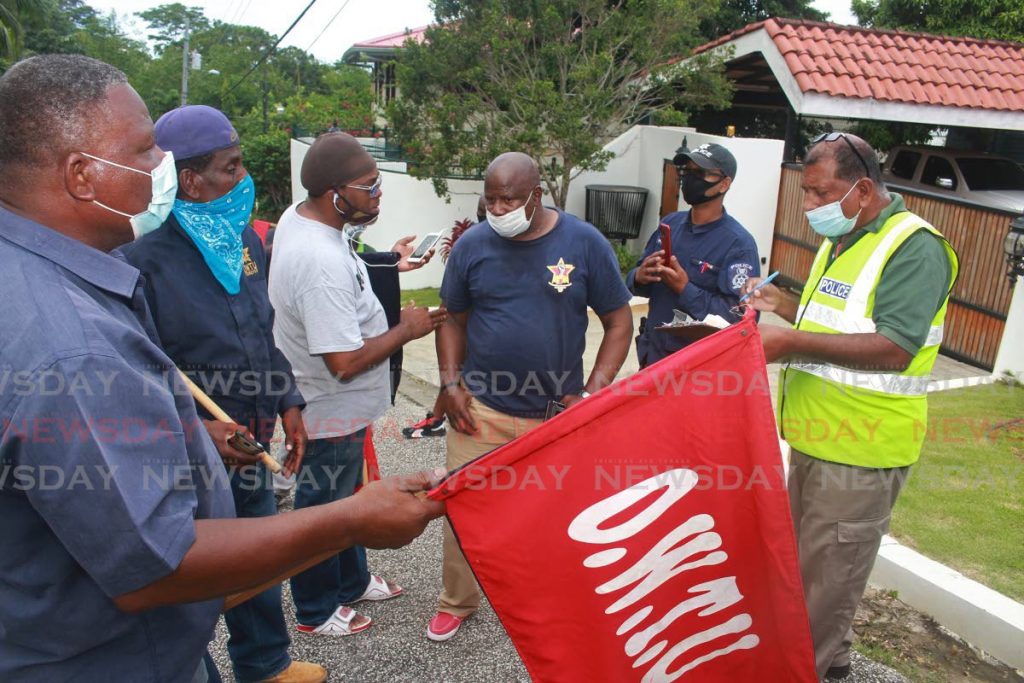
(241, 442)
(666, 243)
(424, 246)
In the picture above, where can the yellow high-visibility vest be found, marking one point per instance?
(855, 416)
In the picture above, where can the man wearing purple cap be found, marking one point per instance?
(206, 285)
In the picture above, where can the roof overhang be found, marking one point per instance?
(831, 106)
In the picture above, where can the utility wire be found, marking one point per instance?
(273, 47)
(343, 5)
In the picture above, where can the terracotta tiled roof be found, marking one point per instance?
(394, 39)
(913, 68)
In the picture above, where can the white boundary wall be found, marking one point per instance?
(640, 155)
(410, 207)
(1010, 358)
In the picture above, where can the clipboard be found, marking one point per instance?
(689, 332)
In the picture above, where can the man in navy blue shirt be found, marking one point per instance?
(206, 285)
(712, 254)
(119, 545)
(517, 289)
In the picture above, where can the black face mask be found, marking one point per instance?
(694, 187)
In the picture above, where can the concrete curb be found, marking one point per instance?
(986, 619)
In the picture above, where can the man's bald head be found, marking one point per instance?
(515, 170)
(48, 107)
(850, 165)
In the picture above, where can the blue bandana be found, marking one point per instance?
(216, 229)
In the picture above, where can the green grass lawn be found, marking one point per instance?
(964, 503)
(428, 296)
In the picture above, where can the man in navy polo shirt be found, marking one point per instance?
(712, 254)
(517, 289)
(206, 285)
(119, 545)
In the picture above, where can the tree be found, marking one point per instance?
(735, 14)
(983, 19)
(12, 13)
(553, 78)
(167, 23)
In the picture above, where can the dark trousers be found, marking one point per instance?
(258, 636)
(332, 468)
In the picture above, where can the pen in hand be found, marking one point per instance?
(760, 284)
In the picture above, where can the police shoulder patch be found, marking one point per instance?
(738, 274)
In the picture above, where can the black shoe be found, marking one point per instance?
(428, 426)
(837, 673)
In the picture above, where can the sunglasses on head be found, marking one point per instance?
(832, 137)
(374, 189)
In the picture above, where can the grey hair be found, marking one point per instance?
(45, 103)
(848, 166)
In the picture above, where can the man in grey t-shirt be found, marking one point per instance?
(333, 330)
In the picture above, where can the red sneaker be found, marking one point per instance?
(443, 626)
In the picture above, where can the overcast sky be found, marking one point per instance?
(353, 20)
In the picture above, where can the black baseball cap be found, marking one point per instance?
(710, 157)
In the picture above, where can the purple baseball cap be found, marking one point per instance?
(194, 130)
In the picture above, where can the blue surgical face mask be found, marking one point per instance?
(829, 220)
(165, 187)
(216, 228)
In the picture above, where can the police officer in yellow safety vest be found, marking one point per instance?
(852, 399)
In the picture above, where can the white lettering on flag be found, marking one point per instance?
(663, 562)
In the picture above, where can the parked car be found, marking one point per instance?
(992, 181)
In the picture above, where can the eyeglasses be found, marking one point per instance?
(374, 189)
(832, 137)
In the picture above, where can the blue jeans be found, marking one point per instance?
(258, 642)
(331, 470)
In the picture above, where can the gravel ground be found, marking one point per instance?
(395, 648)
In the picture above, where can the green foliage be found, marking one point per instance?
(985, 19)
(735, 14)
(627, 257)
(884, 135)
(348, 105)
(13, 13)
(167, 23)
(553, 78)
(962, 505)
(268, 159)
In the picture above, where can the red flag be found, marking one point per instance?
(645, 534)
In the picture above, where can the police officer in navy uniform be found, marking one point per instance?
(206, 285)
(712, 254)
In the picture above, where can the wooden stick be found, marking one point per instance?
(236, 599)
(219, 415)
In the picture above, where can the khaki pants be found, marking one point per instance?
(840, 513)
(461, 596)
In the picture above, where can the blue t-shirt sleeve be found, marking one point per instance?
(740, 263)
(455, 285)
(119, 494)
(605, 289)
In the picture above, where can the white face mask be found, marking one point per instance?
(165, 188)
(829, 220)
(512, 223)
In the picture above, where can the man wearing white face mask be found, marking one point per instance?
(866, 333)
(517, 289)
